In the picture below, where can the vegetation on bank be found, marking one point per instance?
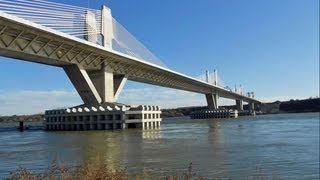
(306, 105)
(101, 171)
(88, 171)
(25, 118)
(82, 171)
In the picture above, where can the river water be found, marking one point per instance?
(284, 146)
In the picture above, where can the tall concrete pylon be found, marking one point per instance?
(239, 104)
(212, 101)
(106, 27)
(207, 76)
(213, 98)
(97, 86)
(251, 106)
(215, 80)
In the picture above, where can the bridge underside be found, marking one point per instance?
(97, 74)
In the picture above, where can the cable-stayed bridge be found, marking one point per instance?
(97, 53)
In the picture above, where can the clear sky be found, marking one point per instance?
(271, 47)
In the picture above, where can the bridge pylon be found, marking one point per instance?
(212, 101)
(97, 86)
(239, 104)
(251, 106)
(106, 27)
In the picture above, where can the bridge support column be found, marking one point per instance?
(212, 101)
(239, 104)
(103, 81)
(258, 106)
(251, 106)
(118, 83)
(95, 87)
(83, 84)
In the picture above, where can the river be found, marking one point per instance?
(282, 145)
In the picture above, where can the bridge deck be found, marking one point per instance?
(25, 40)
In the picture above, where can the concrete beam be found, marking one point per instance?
(83, 84)
(118, 84)
(212, 101)
(239, 104)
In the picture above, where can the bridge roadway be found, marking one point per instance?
(25, 40)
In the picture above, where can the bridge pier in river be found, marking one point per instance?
(251, 106)
(103, 117)
(99, 85)
(239, 104)
(212, 98)
(212, 101)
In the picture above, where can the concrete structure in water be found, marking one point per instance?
(95, 51)
(103, 118)
(215, 114)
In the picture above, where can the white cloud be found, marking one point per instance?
(30, 102)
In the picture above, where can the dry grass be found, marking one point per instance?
(189, 175)
(98, 170)
(84, 171)
(88, 171)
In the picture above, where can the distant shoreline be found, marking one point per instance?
(277, 107)
(25, 118)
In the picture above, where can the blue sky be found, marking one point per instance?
(271, 47)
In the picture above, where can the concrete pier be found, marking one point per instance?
(239, 104)
(21, 126)
(216, 114)
(251, 106)
(246, 113)
(103, 118)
